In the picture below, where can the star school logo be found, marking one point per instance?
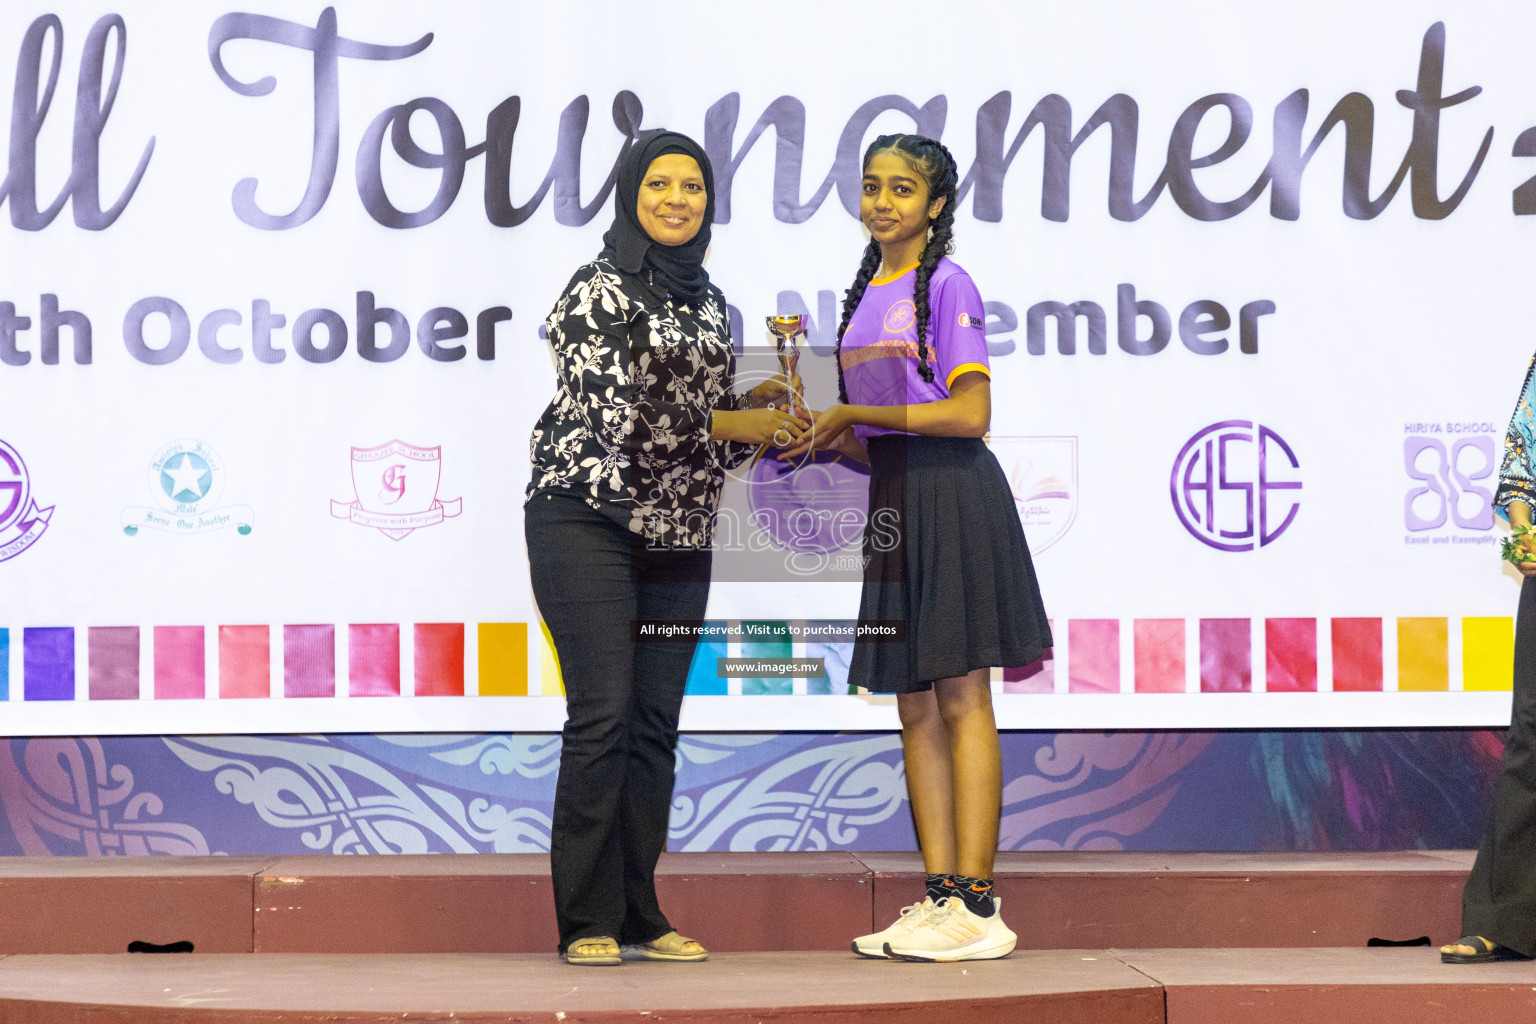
(396, 488)
(21, 521)
(186, 480)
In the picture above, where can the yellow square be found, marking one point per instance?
(1487, 653)
(503, 659)
(1422, 654)
(550, 683)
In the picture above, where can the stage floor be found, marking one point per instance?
(1105, 938)
(1171, 986)
(502, 903)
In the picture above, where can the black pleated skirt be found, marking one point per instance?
(944, 554)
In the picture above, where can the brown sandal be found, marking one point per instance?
(671, 946)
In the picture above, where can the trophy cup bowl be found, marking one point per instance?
(787, 327)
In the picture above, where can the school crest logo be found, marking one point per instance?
(396, 488)
(1042, 472)
(1233, 482)
(186, 480)
(900, 316)
(21, 521)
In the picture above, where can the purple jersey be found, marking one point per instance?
(879, 354)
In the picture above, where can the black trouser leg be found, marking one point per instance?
(580, 571)
(1499, 901)
(613, 795)
(661, 674)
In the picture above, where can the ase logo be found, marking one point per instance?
(396, 488)
(21, 521)
(186, 478)
(1232, 481)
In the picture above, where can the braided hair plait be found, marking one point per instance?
(868, 267)
(936, 164)
(940, 244)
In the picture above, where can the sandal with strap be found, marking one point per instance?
(1487, 952)
(671, 946)
(594, 951)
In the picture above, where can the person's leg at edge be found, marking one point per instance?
(581, 579)
(674, 586)
(1499, 895)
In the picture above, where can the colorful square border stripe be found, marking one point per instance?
(1154, 655)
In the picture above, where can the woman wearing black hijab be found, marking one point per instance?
(628, 463)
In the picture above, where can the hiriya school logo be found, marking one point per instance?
(396, 488)
(21, 521)
(186, 478)
(1233, 482)
(900, 316)
(1042, 472)
(1453, 467)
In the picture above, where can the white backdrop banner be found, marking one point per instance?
(273, 279)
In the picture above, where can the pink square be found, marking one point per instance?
(1159, 655)
(1226, 656)
(1036, 677)
(1093, 660)
(373, 660)
(179, 663)
(309, 661)
(245, 661)
(113, 663)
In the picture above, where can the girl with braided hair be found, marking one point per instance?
(915, 386)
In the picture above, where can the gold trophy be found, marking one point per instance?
(785, 330)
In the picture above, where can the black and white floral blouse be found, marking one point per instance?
(638, 376)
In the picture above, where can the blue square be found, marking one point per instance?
(703, 674)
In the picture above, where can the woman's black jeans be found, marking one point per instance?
(1499, 901)
(593, 579)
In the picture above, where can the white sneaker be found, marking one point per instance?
(873, 946)
(951, 932)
